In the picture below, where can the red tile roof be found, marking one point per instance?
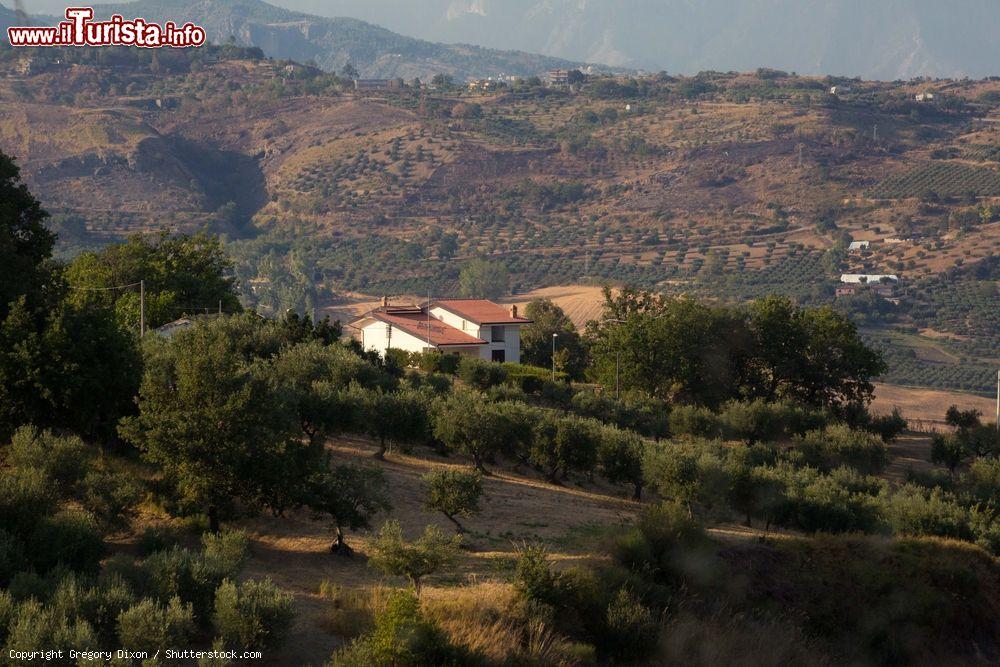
(479, 311)
(415, 322)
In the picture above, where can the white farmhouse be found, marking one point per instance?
(858, 246)
(473, 327)
(869, 278)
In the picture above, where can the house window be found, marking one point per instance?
(499, 356)
(496, 335)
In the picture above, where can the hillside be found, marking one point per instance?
(332, 43)
(891, 39)
(732, 186)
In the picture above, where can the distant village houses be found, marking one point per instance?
(558, 77)
(925, 97)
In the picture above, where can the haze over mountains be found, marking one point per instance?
(886, 39)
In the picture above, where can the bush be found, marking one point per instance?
(401, 636)
(252, 615)
(33, 625)
(148, 626)
(69, 538)
(888, 426)
(481, 374)
(191, 577)
(840, 445)
(534, 579)
(25, 498)
(695, 421)
(226, 552)
(111, 497)
(912, 510)
(632, 631)
(61, 459)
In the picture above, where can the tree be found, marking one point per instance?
(619, 456)
(432, 551)
(349, 71)
(482, 279)
(447, 246)
(61, 364)
(25, 243)
(536, 339)
(182, 274)
(399, 417)
(962, 420)
(465, 422)
(948, 450)
(209, 416)
(561, 444)
(454, 493)
(351, 495)
(674, 348)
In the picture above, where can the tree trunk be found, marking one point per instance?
(477, 460)
(340, 547)
(213, 520)
(458, 527)
(380, 454)
(637, 494)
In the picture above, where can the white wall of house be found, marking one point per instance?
(375, 336)
(511, 343)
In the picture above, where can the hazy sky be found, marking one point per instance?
(884, 39)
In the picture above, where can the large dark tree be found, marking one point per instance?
(62, 364)
(536, 339)
(211, 418)
(25, 243)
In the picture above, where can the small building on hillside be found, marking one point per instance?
(858, 246)
(867, 278)
(924, 97)
(373, 85)
(846, 290)
(559, 77)
(473, 327)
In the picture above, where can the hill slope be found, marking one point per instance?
(886, 40)
(333, 42)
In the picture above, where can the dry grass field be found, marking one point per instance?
(517, 507)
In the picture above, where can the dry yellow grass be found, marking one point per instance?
(517, 508)
(926, 407)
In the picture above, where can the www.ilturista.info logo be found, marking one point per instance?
(80, 30)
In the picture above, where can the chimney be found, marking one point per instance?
(513, 310)
(385, 302)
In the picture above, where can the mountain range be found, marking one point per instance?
(331, 43)
(881, 39)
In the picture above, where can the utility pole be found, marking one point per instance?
(142, 308)
(876, 132)
(618, 374)
(554, 336)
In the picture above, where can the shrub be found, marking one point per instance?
(69, 538)
(25, 498)
(253, 614)
(912, 510)
(61, 459)
(888, 426)
(840, 445)
(534, 579)
(148, 626)
(695, 421)
(481, 374)
(401, 636)
(632, 631)
(181, 573)
(33, 625)
(111, 497)
(226, 552)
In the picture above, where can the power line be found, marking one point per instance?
(105, 289)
